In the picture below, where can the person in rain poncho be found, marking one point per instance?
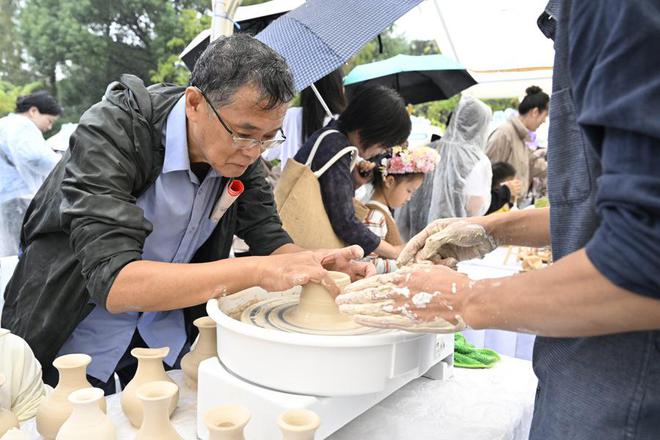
(460, 185)
(25, 161)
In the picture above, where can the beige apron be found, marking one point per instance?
(300, 204)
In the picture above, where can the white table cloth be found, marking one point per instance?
(494, 404)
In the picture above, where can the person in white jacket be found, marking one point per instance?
(23, 389)
(25, 161)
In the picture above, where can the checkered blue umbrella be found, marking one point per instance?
(321, 35)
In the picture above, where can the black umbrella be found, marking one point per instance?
(418, 79)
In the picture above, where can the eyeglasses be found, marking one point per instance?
(242, 143)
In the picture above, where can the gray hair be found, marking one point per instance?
(229, 63)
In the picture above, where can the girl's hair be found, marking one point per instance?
(535, 98)
(379, 116)
(42, 100)
(331, 89)
(502, 171)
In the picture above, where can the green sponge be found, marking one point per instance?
(466, 356)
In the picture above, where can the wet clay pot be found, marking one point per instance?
(87, 421)
(56, 408)
(205, 348)
(7, 418)
(150, 368)
(156, 398)
(298, 424)
(226, 422)
(317, 308)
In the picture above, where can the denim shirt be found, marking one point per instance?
(178, 205)
(605, 387)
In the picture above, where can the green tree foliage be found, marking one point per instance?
(86, 44)
(9, 92)
(170, 68)
(391, 45)
(11, 47)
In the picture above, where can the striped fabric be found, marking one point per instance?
(375, 221)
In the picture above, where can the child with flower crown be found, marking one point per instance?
(398, 174)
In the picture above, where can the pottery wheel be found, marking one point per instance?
(279, 314)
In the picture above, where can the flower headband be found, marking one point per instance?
(409, 161)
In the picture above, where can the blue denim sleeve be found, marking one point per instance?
(615, 72)
(626, 246)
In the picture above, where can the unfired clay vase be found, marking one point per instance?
(226, 422)
(150, 368)
(7, 418)
(205, 348)
(317, 308)
(298, 424)
(87, 421)
(155, 398)
(56, 408)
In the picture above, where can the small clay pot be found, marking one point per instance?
(87, 421)
(226, 422)
(205, 347)
(298, 424)
(150, 368)
(156, 398)
(56, 408)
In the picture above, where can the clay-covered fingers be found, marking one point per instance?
(361, 269)
(344, 260)
(332, 257)
(459, 240)
(400, 322)
(447, 262)
(409, 253)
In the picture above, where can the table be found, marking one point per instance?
(494, 404)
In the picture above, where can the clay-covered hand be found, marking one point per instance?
(447, 241)
(345, 260)
(418, 298)
(276, 273)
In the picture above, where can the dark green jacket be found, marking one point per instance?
(84, 226)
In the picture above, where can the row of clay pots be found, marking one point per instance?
(226, 422)
(76, 411)
(87, 421)
(56, 409)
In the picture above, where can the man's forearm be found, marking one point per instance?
(288, 249)
(527, 227)
(568, 299)
(154, 286)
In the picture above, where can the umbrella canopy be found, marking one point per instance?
(321, 35)
(418, 79)
(249, 19)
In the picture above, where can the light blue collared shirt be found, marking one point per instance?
(179, 207)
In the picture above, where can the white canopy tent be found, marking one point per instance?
(498, 41)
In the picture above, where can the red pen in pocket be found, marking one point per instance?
(229, 195)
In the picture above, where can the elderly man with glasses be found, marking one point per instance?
(107, 242)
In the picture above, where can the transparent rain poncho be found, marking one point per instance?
(444, 193)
